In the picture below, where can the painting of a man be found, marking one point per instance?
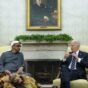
(43, 12)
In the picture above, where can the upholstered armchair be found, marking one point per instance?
(81, 83)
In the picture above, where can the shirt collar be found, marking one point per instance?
(77, 52)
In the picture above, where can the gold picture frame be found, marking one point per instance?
(43, 14)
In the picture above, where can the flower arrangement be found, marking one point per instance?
(8, 81)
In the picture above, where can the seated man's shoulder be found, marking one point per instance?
(6, 52)
(84, 53)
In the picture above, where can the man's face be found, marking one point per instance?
(16, 47)
(74, 47)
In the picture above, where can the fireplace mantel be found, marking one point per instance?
(44, 50)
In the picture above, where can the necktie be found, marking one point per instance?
(73, 64)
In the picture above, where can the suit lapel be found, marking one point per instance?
(80, 54)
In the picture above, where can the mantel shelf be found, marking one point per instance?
(44, 42)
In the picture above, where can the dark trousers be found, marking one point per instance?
(67, 75)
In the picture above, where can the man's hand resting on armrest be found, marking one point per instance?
(20, 70)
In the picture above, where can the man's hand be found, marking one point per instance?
(75, 56)
(66, 55)
(8, 72)
(20, 70)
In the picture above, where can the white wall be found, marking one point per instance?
(74, 20)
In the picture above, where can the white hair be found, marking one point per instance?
(14, 42)
(76, 42)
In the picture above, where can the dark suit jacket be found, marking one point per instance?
(80, 65)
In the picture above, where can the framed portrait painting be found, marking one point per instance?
(43, 14)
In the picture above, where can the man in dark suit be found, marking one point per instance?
(73, 65)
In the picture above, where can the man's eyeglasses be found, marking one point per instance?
(17, 45)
